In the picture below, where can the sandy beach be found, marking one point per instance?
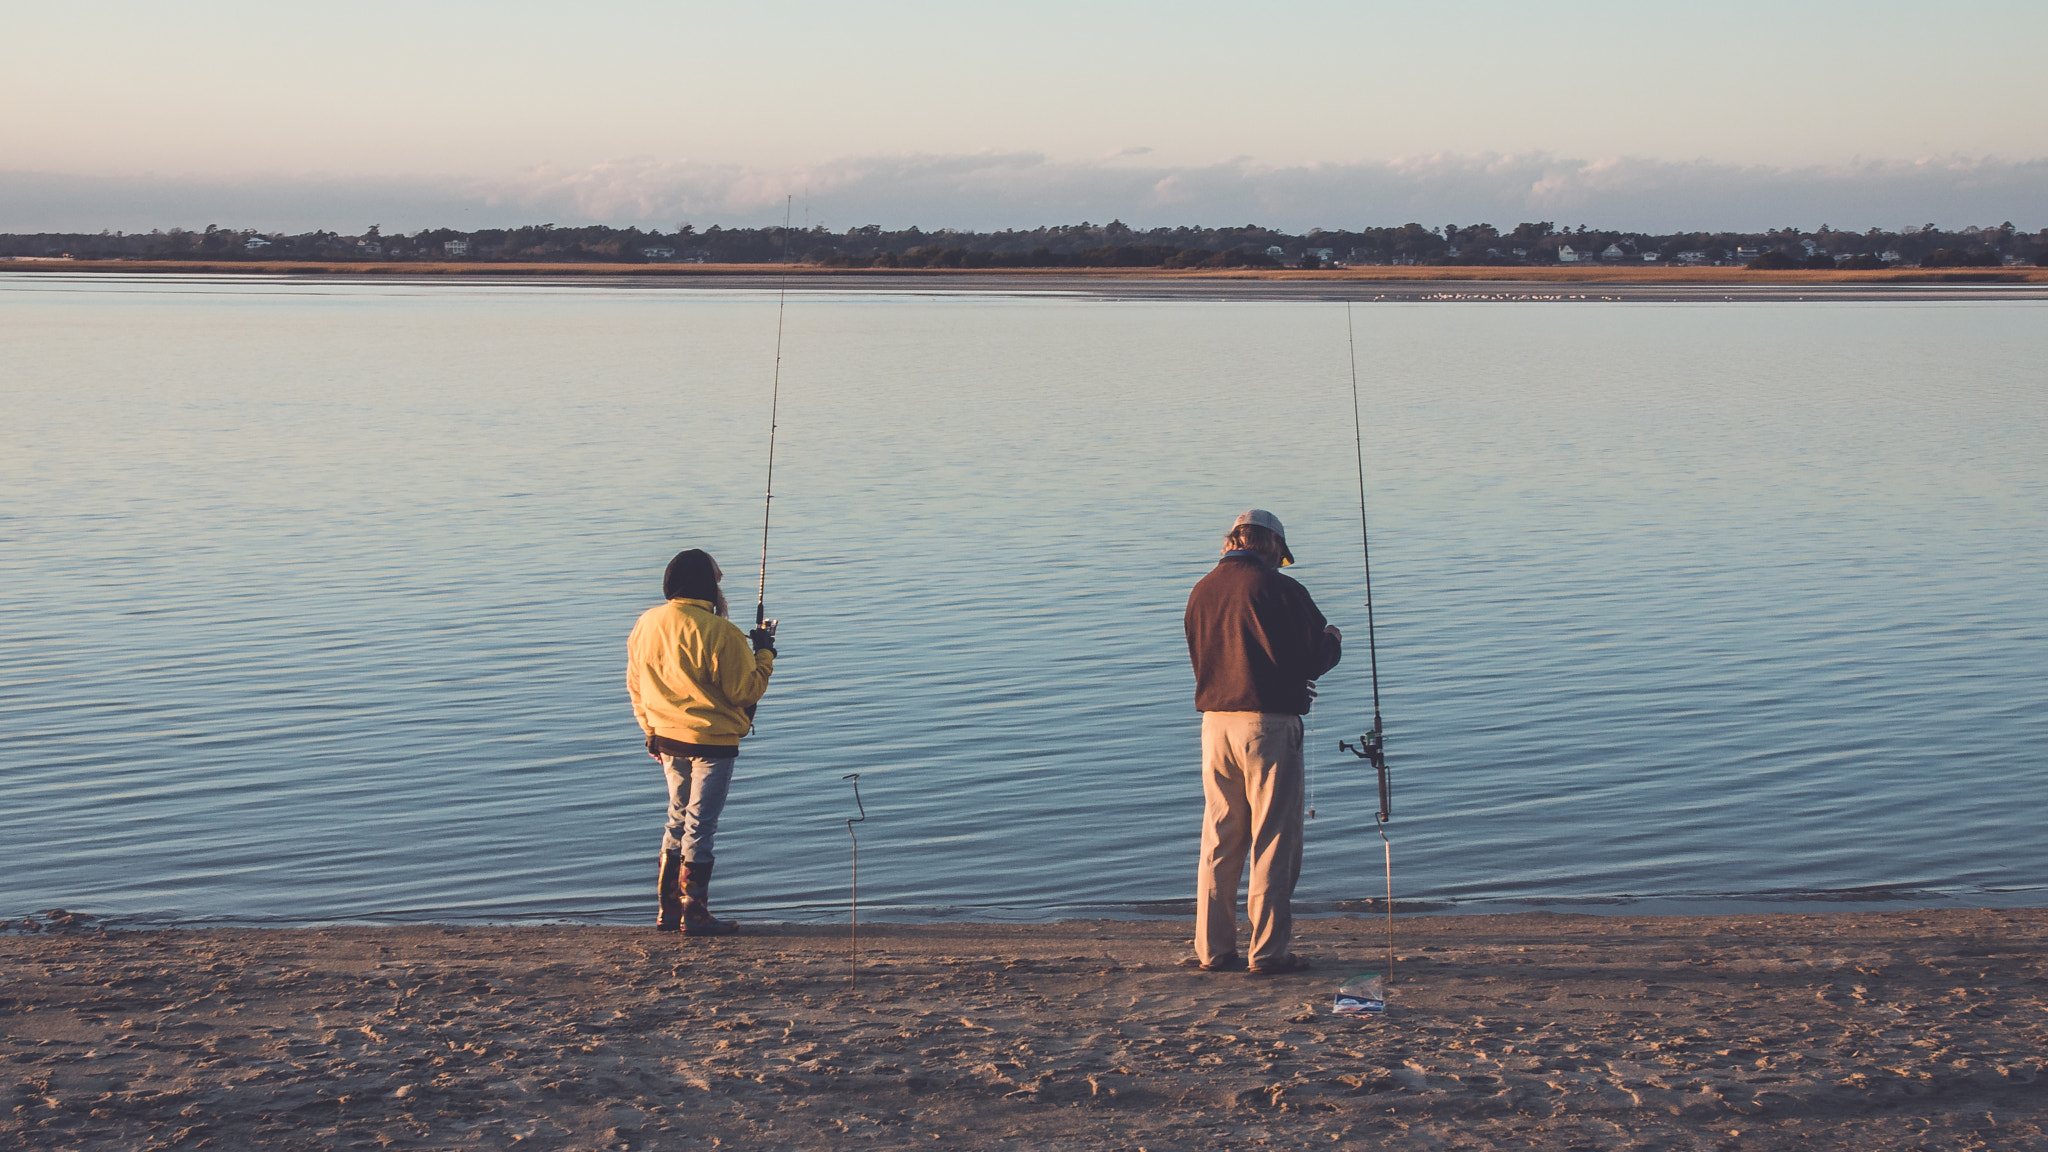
(1873, 1030)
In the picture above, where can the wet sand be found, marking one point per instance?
(1872, 1030)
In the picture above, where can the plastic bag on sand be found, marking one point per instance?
(1363, 995)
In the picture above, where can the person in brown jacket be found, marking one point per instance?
(1257, 641)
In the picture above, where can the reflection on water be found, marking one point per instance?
(315, 597)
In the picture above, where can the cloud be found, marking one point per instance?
(1025, 189)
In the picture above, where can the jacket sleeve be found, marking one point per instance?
(1328, 651)
(1324, 650)
(740, 672)
(633, 681)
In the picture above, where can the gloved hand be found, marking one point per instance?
(763, 638)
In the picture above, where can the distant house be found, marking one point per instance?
(1566, 254)
(370, 247)
(1811, 247)
(1693, 257)
(1613, 252)
(658, 252)
(256, 242)
(455, 247)
(1277, 252)
(1326, 255)
(1891, 256)
(1649, 257)
(1748, 253)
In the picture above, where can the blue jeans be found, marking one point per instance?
(696, 795)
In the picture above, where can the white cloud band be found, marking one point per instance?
(998, 190)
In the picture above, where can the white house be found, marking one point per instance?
(256, 242)
(659, 252)
(1613, 252)
(1566, 254)
(456, 247)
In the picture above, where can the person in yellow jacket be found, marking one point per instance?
(694, 679)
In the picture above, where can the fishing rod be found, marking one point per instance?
(1372, 745)
(774, 407)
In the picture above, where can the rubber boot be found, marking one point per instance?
(668, 892)
(697, 917)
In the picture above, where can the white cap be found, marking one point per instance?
(1261, 518)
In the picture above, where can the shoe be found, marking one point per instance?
(697, 917)
(668, 892)
(1285, 964)
(1230, 963)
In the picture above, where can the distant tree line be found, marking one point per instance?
(1084, 245)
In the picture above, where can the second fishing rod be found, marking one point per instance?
(761, 621)
(1371, 746)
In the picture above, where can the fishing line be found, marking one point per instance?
(774, 407)
(853, 925)
(1387, 847)
(1371, 745)
(1315, 740)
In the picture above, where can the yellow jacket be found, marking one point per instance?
(692, 674)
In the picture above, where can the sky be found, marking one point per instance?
(1736, 114)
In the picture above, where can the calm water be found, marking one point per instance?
(313, 598)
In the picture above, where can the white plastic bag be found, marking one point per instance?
(1363, 995)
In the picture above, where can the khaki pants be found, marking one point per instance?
(1252, 780)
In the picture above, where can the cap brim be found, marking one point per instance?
(1286, 554)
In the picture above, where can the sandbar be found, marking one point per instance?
(1396, 284)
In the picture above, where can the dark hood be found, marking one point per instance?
(690, 576)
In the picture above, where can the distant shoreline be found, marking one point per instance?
(1390, 274)
(1379, 284)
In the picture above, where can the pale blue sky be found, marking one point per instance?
(722, 108)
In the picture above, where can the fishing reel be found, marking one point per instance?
(1372, 749)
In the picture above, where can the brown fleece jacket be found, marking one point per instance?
(1256, 639)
